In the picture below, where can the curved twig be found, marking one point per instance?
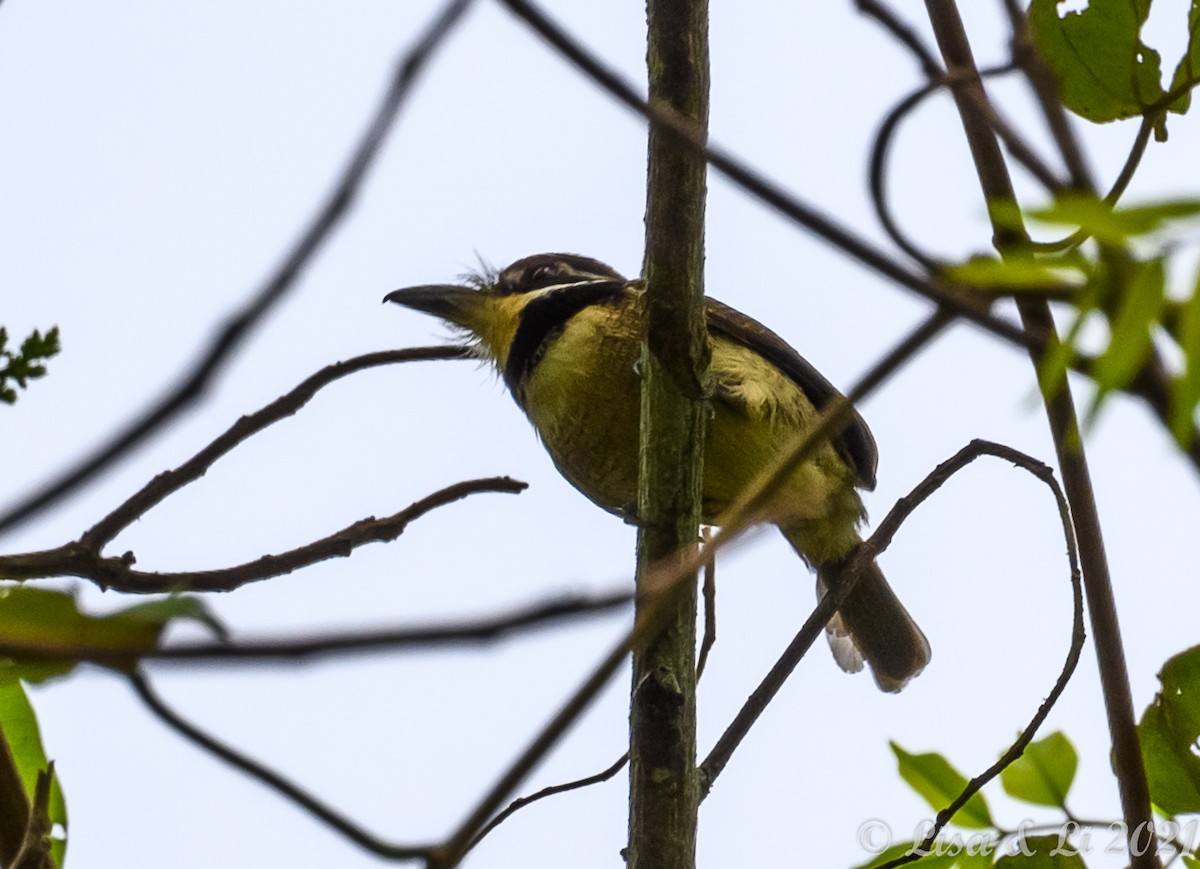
(238, 327)
(870, 549)
(1017, 146)
(276, 782)
(877, 171)
(887, 528)
(1132, 161)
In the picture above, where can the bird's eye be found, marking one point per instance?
(541, 272)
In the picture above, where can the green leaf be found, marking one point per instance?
(168, 609)
(1187, 72)
(51, 631)
(1131, 341)
(1042, 852)
(887, 855)
(1105, 72)
(1185, 394)
(935, 860)
(939, 783)
(20, 730)
(1043, 774)
(1189, 861)
(974, 861)
(1013, 274)
(1114, 225)
(1168, 733)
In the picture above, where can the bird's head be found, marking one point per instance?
(489, 306)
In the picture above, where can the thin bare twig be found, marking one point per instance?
(83, 557)
(710, 637)
(73, 559)
(276, 782)
(303, 649)
(168, 482)
(904, 34)
(237, 328)
(709, 592)
(521, 802)
(460, 840)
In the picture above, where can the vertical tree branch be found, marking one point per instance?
(664, 792)
(1060, 410)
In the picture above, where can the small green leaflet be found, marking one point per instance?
(1114, 225)
(1185, 394)
(935, 779)
(1043, 774)
(1042, 852)
(1130, 342)
(1058, 277)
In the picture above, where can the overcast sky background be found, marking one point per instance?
(157, 159)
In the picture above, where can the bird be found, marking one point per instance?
(564, 332)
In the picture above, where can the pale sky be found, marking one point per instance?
(157, 161)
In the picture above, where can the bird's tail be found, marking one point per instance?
(873, 626)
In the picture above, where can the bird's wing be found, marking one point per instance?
(855, 443)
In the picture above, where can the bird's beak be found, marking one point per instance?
(450, 302)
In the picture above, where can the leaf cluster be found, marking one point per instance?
(26, 363)
(1169, 731)
(1117, 281)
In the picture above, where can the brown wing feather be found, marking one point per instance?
(855, 444)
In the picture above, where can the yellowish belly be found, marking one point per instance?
(584, 400)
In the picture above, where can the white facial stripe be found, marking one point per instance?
(545, 291)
